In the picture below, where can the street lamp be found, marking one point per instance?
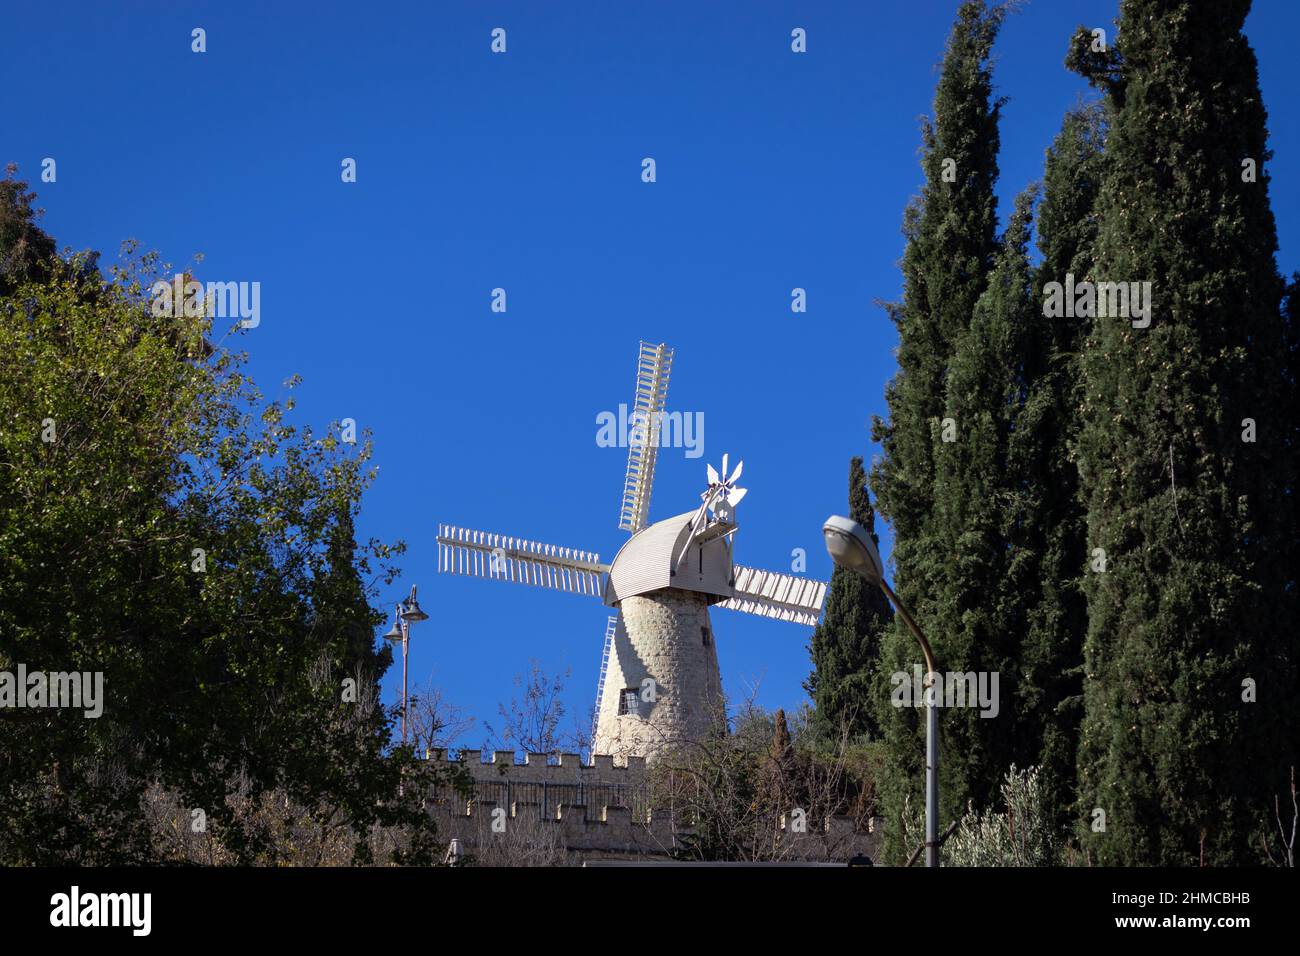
(851, 547)
(408, 613)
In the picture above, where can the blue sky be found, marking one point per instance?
(522, 171)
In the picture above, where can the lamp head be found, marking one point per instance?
(394, 633)
(411, 612)
(851, 547)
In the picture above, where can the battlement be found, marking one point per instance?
(538, 768)
(511, 830)
(579, 808)
(574, 807)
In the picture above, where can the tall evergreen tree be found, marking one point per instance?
(846, 645)
(1048, 525)
(1193, 601)
(951, 241)
(980, 618)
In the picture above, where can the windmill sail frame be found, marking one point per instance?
(654, 364)
(776, 595)
(485, 554)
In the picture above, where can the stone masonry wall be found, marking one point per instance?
(667, 638)
(541, 823)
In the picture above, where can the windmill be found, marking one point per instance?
(659, 681)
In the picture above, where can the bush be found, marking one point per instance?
(1019, 835)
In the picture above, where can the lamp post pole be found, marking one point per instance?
(931, 733)
(406, 649)
(853, 548)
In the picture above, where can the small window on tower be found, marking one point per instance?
(629, 703)
(704, 632)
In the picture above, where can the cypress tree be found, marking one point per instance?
(846, 644)
(1193, 600)
(1048, 525)
(951, 241)
(980, 617)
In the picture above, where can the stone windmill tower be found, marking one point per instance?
(659, 682)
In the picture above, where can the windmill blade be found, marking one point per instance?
(772, 594)
(654, 363)
(740, 466)
(612, 627)
(713, 476)
(483, 554)
(735, 496)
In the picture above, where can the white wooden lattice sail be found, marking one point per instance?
(781, 596)
(611, 632)
(484, 554)
(654, 363)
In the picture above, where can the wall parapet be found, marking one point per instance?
(538, 768)
(598, 806)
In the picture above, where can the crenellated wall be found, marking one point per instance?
(575, 810)
(537, 768)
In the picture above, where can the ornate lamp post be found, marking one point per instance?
(408, 613)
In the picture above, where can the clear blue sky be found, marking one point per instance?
(522, 171)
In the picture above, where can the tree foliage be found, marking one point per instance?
(845, 646)
(765, 792)
(1197, 524)
(1021, 833)
(26, 251)
(980, 615)
(951, 244)
(163, 525)
(1047, 528)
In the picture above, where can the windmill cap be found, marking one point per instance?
(851, 547)
(649, 561)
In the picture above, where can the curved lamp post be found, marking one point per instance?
(852, 548)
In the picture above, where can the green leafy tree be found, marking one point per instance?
(1196, 521)
(164, 526)
(26, 251)
(951, 242)
(845, 646)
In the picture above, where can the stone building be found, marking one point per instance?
(663, 685)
